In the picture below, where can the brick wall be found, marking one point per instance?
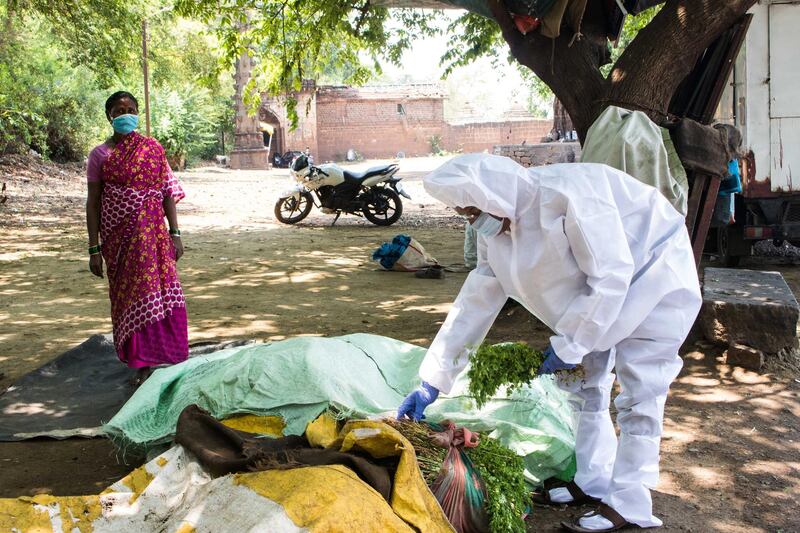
(375, 128)
(305, 135)
(477, 137)
(541, 153)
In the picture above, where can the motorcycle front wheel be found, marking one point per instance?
(291, 210)
(384, 207)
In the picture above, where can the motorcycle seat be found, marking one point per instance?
(370, 172)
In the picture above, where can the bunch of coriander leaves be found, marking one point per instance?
(503, 473)
(509, 364)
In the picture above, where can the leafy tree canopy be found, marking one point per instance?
(101, 34)
(53, 88)
(292, 40)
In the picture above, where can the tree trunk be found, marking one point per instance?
(646, 75)
(562, 124)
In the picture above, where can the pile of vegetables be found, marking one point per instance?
(502, 471)
(492, 366)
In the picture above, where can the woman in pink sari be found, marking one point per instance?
(131, 190)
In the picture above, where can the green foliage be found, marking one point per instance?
(541, 96)
(293, 40)
(343, 69)
(184, 120)
(182, 51)
(191, 106)
(46, 103)
(69, 129)
(436, 145)
(471, 37)
(18, 128)
(503, 472)
(53, 104)
(629, 32)
(58, 59)
(508, 364)
(512, 364)
(102, 35)
(429, 455)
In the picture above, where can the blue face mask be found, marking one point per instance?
(487, 225)
(125, 124)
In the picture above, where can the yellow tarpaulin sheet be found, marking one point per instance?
(173, 493)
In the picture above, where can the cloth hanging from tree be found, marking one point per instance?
(701, 148)
(629, 141)
(571, 9)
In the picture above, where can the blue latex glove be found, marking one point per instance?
(414, 405)
(552, 363)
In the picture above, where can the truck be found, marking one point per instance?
(763, 101)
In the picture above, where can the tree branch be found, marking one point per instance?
(570, 68)
(669, 47)
(363, 10)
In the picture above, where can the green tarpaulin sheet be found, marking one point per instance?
(360, 375)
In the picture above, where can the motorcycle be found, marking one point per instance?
(285, 160)
(374, 193)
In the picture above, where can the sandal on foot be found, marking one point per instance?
(616, 519)
(578, 496)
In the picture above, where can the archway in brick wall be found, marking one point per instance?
(275, 140)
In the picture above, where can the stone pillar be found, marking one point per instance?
(248, 151)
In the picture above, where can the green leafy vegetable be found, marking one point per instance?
(493, 365)
(509, 364)
(503, 473)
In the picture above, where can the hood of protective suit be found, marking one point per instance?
(489, 182)
(590, 251)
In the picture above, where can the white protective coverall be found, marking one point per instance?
(603, 260)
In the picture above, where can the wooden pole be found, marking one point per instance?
(146, 78)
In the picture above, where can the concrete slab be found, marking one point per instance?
(749, 307)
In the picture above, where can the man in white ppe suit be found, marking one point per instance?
(604, 261)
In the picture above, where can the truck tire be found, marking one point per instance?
(731, 245)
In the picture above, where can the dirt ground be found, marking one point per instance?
(731, 447)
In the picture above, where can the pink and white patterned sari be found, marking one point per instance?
(148, 309)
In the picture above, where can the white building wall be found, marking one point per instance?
(770, 114)
(784, 98)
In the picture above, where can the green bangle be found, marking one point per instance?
(175, 232)
(94, 250)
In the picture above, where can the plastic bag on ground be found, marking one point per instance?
(403, 254)
(459, 488)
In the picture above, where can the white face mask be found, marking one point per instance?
(487, 225)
